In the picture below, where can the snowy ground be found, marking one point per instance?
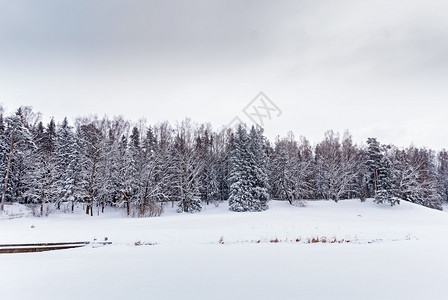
(394, 253)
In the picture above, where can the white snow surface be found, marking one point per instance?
(396, 252)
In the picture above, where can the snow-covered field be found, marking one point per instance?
(388, 253)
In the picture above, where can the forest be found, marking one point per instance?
(100, 162)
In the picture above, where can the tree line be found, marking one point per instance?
(103, 162)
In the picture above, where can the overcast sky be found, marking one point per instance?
(377, 68)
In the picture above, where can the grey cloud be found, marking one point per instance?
(176, 58)
(143, 28)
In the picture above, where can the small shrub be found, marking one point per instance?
(140, 243)
(299, 203)
(41, 211)
(151, 209)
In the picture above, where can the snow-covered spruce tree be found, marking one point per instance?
(67, 166)
(41, 179)
(381, 174)
(241, 195)
(135, 169)
(19, 136)
(257, 146)
(249, 182)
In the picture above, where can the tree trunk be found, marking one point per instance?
(286, 192)
(2, 206)
(128, 209)
(92, 176)
(207, 190)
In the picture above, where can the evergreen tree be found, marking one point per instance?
(248, 177)
(103, 161)
(19, 136)
(241, 193)
(67, 165)
(258, 146)
(165, 171)
(381, 174)
(41, 178)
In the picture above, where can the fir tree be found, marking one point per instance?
(381, 174)
(257, 146)
(67, 165)
(248, 177)
(41, 179)
(241, 193)
(23, 148)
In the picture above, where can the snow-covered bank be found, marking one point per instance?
(348, 219)
(407, 260)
